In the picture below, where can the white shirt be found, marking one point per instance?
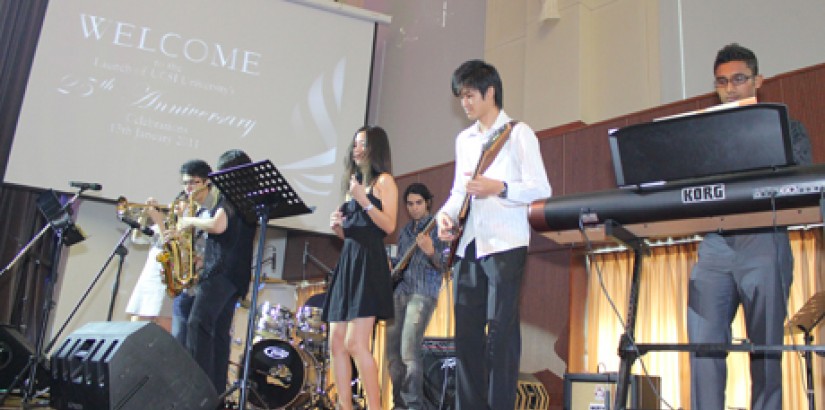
(498, 224)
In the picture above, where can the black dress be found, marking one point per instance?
(361, 285)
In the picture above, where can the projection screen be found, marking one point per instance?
(122, 93)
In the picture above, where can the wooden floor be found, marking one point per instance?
(15, 402)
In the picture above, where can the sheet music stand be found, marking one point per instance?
(259, 192)
(804, 321)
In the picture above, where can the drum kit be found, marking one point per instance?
(289, 365)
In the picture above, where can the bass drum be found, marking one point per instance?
(281, 375)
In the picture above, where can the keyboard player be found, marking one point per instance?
(752, 268)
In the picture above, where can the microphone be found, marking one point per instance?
(135, 225)
(359, 176)
(90, 186)
(306, 251)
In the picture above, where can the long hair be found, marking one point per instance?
(378, 156)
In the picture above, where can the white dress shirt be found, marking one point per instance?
(498, 224)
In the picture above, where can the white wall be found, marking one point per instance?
(415, 57)
(784, 35)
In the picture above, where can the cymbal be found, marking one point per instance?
(306, 284)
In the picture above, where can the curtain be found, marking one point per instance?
(22, 285)
(661, 318)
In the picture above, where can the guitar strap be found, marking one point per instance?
(493, 152)
(496, 148)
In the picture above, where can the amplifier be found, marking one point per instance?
(439, 373)
(597, 391)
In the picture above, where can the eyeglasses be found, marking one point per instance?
(736, 80)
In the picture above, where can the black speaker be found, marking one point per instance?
(127, 365)
(15, 353)
(439, 373)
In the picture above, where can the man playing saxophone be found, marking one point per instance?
(198, 198)
(152, 296)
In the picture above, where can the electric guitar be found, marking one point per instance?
(397, 274)
(488, 153)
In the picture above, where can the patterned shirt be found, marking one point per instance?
(423, 274)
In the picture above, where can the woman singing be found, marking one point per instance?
(361, 290)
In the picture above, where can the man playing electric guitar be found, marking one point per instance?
(417, 279)
(492, 235)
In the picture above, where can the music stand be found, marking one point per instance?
(804, 321)
(259, 192)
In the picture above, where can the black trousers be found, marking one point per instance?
(487, 331)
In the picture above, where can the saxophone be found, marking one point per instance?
(178, 255)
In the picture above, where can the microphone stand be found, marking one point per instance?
(24, 250)
(60, 221)
(316, 262)
(90, 287)
(120, 251)
(42, 351)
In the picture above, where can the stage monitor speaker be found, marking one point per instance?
(596, 391)
(125, 366)
(15, 353)
(439, 373)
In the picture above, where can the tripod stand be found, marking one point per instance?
(260, 193)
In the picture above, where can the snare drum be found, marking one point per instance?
(282, 375)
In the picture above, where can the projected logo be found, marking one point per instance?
(316, 174)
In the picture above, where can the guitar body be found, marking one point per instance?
(459, 232)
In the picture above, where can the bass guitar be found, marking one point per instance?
(397, 273)
(488, 153)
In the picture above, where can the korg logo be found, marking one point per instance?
(703, 193)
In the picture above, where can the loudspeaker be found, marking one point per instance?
(596, 390)
(127, 365)
(15, 353)
(438, 358)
